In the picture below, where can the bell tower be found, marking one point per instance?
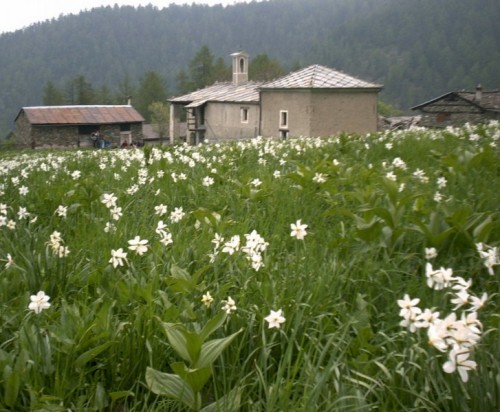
(240, 67)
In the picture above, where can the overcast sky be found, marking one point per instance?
(16, 14)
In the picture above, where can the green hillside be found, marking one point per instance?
(416, 49)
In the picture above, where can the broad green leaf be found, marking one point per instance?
(86, 357)
(195, 378)
(185, 343)
(213, 324)
(12, 383)
(172, 386)
(120, 394)
(179, 273)
(482, 231)
(228, 403)
(180, 280)
(211, 350)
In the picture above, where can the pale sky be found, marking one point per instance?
(17, 14)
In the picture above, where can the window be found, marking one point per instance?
(442, 117)
(283, 119)
(125, 127)
(244, 114)
(242, 65)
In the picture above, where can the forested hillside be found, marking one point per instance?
(417, 50)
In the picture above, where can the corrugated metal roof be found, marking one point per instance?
(221, 92)
(52, 115)
(318, 77)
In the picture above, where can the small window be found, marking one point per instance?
(242, 65)
(125, 127)
(283, 119)
(442, 117)
(244, 114)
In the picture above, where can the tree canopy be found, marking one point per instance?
(417, 50)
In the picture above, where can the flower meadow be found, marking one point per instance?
(312, 274)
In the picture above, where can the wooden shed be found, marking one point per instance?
(72, 126)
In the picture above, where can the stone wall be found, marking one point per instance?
(441, 120)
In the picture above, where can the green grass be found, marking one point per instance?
(341, 347)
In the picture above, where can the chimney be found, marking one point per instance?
(240, 68)
(129, 100)
(479, 93)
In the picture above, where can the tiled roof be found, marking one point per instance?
(490, 100)
(221, 92)
(58, 115)
(318, 77)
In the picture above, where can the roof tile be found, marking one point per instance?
(318, 77)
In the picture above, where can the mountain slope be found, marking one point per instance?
(416, 49)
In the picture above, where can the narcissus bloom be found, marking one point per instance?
(118, 257)
(140, 246)
(275, 319)
(207, 181)
(109, 200)
(229, 305)
(430, 253)
(298, 230)
(160, 209)
(207, 299)
(39, 302)
(459, 361)
(61, 211)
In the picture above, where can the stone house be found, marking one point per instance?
(318, 101)
(315, 101)
(458, 108)
(72, 126)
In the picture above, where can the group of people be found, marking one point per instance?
(99, 142)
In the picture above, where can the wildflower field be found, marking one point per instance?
(350, 273)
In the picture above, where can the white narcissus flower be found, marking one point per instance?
(459, 361)
(39, 302)
(177, 215)
(477, 303)
(430, 253)
(109, 200)
(409, 309)
(256, 182)
(118, 257)
(232, 246)
(166, 239)
(319, 178)
(229, 305)
(298, 230)
(441, 182)
(275, 319)
(160, 210)
(207, 181)
(9, 261)
(207, 299)
(140, 246)
(116, 213)
(61, 211)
